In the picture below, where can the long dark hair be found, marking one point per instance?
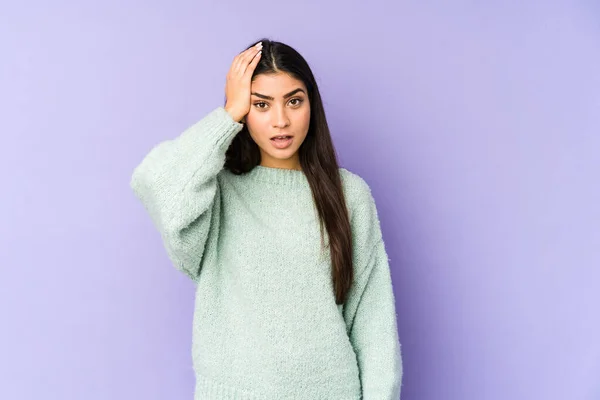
(318, 160)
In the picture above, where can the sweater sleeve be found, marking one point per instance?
(370, 311)
(177, 184)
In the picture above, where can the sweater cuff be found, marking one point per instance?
(217, 128)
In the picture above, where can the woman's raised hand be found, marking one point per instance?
(237, 87)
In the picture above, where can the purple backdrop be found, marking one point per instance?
(477, 127)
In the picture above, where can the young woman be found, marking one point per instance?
(294, 294)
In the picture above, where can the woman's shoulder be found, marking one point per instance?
(362, 210)
(356, 189)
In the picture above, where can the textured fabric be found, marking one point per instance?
(266, 325)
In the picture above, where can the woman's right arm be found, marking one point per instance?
(177, 184)
(177, 180)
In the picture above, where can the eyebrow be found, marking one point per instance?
(285, 96)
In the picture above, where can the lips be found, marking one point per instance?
(282, 142)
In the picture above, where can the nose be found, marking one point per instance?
(280, 118)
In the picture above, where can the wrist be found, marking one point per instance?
(234, 115)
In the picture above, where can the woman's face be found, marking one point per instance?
(279, 106)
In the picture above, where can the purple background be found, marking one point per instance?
(476, 125)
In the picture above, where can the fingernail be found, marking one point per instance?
(259, 44)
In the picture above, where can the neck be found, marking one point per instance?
(290, 163)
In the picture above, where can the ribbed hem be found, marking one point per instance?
(278, 176)
(210, 389)
(217, 128)
(227, 124)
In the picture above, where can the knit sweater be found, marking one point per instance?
(265, 324)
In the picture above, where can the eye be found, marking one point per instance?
(258, 105)
(298, 101)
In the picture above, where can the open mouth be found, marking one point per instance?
(282, 142)
(281, 138)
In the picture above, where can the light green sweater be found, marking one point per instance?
(266, 325)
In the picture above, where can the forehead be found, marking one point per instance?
(276, 85)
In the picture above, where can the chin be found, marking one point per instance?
(283, 155)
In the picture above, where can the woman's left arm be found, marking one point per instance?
(370, 309)
(373, 329)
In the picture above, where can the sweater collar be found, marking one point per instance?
(279, 176)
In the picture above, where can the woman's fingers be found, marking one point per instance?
(238, 82)
(250, 58)
(244, 58)
(253, 63)
(237, 61)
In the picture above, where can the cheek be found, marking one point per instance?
(303, 119)
(255, 122)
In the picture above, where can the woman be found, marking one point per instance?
(294, 295)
